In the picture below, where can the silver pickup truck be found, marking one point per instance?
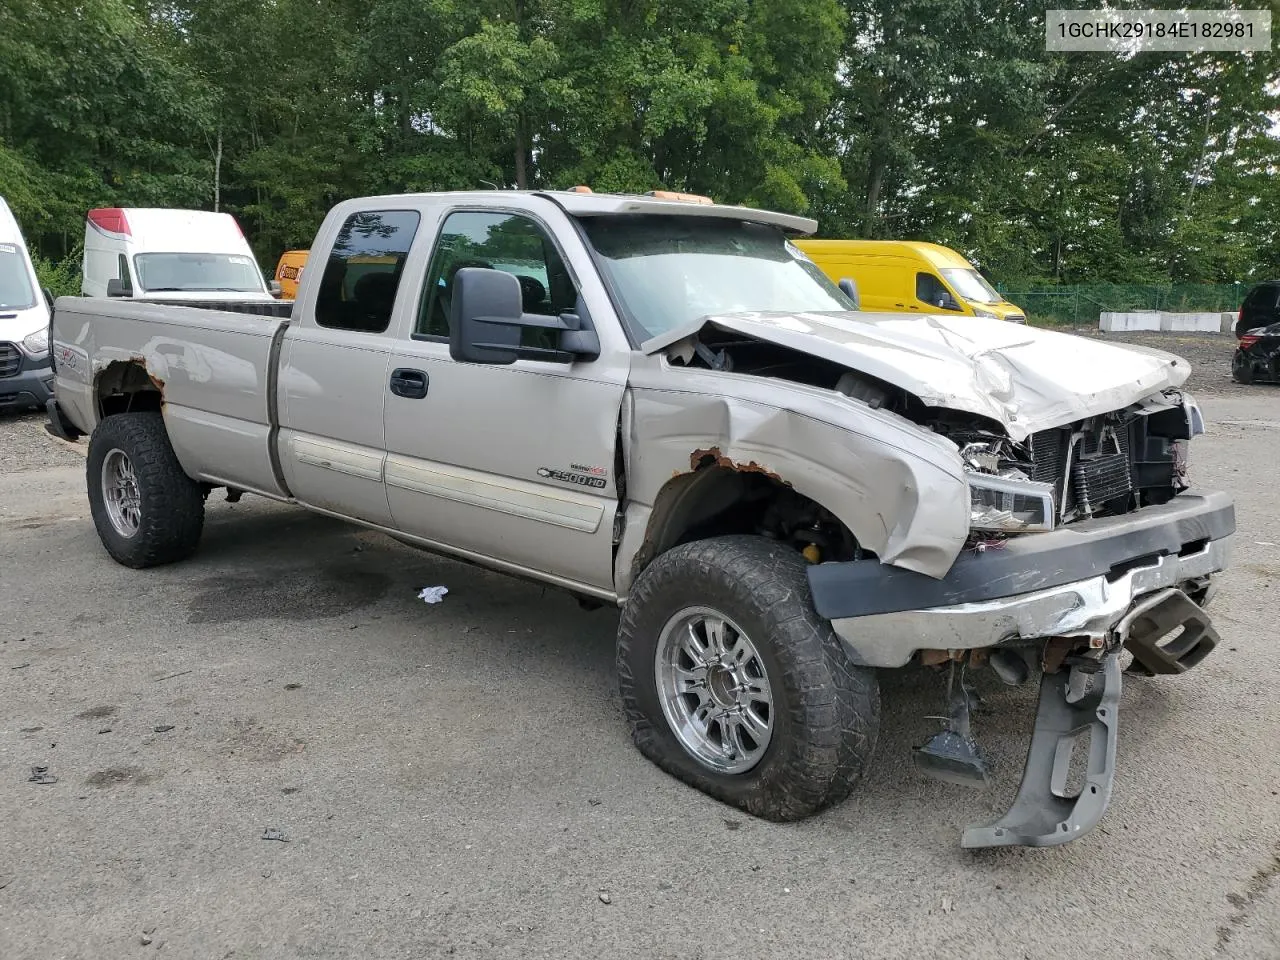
(664, 405)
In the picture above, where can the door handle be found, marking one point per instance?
(411, 384)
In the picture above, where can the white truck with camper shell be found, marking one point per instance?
(26, 380)
(170, 255)
(666, 406)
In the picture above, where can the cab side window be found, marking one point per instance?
(361, 277)
(495, 241)
(930, 289)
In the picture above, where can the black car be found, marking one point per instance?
(1257, 357)
(1261, 307)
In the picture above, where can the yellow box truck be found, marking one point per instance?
(897, 276)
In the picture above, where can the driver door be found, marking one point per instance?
(516, 462)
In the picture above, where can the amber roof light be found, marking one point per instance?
(682, 197)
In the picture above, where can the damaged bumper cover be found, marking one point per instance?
(1080, 580)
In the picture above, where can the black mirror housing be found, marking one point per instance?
(486, 320)
(850, 290)
(116, 288)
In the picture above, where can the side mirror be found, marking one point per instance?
(48, 296)
(948, 303)
(116, 288)
(850, 290)
(274, 288)
(486, 319)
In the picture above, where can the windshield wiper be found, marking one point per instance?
(199, 290)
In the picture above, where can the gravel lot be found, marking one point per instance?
(456, 779)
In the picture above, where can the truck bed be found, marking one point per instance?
(214, 367)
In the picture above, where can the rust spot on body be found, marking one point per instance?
(713, 455)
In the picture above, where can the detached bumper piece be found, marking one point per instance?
(1080, 699)
(953, 754)
(1167, 633)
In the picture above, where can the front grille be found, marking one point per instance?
(10, 360)
(1016, 318)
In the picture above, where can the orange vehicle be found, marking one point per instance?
(289, 272)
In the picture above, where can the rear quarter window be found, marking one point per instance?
(362, 274)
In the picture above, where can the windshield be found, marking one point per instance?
(670, 271)
(15, 285)
(197, 271)
(970, 285)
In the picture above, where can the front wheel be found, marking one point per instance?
(146, 509)
(732, 682)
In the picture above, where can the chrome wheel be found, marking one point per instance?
(120, 493)
(714, 690)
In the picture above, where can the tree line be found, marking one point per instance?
(943, 120)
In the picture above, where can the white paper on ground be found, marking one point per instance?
(433, 594)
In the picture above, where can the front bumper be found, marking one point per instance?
(30, 386)
(1079, 581)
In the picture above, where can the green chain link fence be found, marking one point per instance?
(1081, 304)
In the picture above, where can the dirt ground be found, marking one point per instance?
(275, 750)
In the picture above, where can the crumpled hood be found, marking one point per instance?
(1025, 378)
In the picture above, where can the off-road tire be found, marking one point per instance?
(171, 503)
(826, 708)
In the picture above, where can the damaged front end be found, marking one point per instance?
(1086, 476)
(1060, 524)
(1104, 465)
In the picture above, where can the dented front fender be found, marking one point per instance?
(899, 488)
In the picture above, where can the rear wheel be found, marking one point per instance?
(147, 511)
(732, 682)
(1241, 368)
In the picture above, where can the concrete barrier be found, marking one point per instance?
(1191, 322)
(1125, 322)
(1165, 321)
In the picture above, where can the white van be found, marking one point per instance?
(26, 379)
(169, 255)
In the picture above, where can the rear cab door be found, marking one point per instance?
(334, 362)
(517, 463)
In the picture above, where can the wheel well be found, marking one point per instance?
(718, 501)
(126, 387)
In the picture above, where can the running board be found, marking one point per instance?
(1079, 698)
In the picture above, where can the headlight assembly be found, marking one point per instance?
(979, 312)
(1006, 505)
(36, 346)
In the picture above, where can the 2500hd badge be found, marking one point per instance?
(568, 476)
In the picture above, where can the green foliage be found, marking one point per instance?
(943, 120)
(61, 278)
